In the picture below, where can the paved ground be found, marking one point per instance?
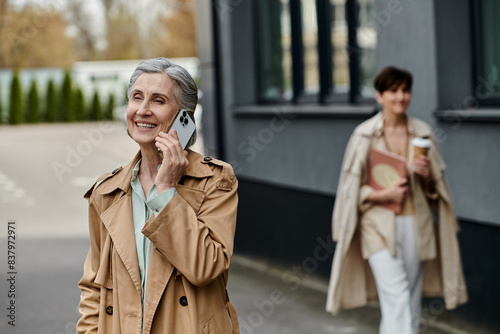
(44, 171)
(48, 270)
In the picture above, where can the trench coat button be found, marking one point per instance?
(207, 158)
(183, 301)
(109, 310)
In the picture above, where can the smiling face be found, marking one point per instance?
(152, 107)
(394, 100)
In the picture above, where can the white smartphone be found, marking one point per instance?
(184, 126)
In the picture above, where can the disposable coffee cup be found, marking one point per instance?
(420, 146)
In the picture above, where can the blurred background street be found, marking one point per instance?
(52, 242)
(282, 85)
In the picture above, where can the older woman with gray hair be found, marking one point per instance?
(162, 227)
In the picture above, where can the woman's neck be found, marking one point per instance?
(393, 120)
(150, 161)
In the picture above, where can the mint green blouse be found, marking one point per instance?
(142, 209)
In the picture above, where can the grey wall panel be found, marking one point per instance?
(207, 70)
(454, 53)
(300, 153)
(472, 155)
(405, 32)
(308, 152)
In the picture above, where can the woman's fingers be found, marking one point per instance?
(421, 166)
(169, 144)
(397, 191)
(174, 162)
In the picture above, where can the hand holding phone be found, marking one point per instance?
(174, 166)
(184, 126)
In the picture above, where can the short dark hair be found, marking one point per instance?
(390, 77)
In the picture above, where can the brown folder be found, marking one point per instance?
(386, 168)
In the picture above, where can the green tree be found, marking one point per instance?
(50, 103)
(79, 104)
(15, 105)
(66, 109)
(35, 36)
(175, 33)
(32, 113)
(1, 106)
(95, 109)
(110, 108)
(124, 40)
(125, 96)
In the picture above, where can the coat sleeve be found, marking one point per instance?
(347, 199)
(197, 235)
(90, 291)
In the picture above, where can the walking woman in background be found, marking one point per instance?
(161, 228)
(397, 255)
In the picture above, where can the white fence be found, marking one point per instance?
(105, 77)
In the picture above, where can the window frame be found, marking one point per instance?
(476, 58)
(326, 93)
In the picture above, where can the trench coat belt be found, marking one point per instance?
(232, 314)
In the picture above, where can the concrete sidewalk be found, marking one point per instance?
(269, 300)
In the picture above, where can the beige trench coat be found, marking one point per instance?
(351, 282)
(192, 245)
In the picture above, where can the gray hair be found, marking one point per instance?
(185, 91)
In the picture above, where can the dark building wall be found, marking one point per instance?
(290, 228)
(302, 146)
(288, 157)
(286, 226)
(433, 40)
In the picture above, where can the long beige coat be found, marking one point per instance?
(192, 242)
(351, 282)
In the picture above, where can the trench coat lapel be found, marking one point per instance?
(118, 221)
(193, 196)
(159, 275)
(161, 269)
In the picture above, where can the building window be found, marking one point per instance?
(318, 51)
(487, 46)
(274, 59)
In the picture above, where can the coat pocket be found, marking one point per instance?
(208, 326)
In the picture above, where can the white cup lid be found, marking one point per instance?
(421, 142)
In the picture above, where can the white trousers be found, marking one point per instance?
(399, 281)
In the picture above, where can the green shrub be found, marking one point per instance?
(32, 112)
(1, 106)
(66, 110)
(79, 104)
(50, 103)
(15, 105)
(125, 97)
(95, 111)
(110, 108)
